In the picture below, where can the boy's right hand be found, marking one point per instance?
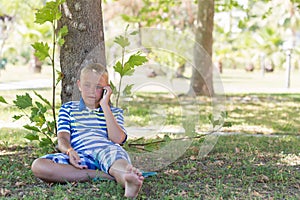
(75, 160)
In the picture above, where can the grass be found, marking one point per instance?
(239, 166)
(264, 163)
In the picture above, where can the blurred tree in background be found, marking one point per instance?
(21, 31)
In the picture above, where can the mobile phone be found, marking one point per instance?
(103, 93)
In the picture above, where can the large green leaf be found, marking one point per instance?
(49, 12)
(41, 50)
(32, 137)
(32, 128)
(137, 59)
(119, 68)
(23, 101)
(128, 69)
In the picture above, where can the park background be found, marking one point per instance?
(256, 155)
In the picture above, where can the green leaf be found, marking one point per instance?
(32, 137)
(51, 126)
(2, 100)
(127, 90)
(128, 69)
(32, 128)
(60, 76)
(42, 98)
(113, 87)
(122, 41)
(17, 117)
(41, 50)
(45, 142)
(61, 41)
(119, 68)
(23, 101)
(37, 116)
(49, 13)
(41, 107)
(134, 33)
(61, 33)
(137, 59)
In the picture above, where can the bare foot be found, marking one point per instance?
(133, 182)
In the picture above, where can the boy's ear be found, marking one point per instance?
(78, 85)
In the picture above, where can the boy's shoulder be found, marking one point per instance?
(70, 104)
(116, 109)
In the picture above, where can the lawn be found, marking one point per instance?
(239, 167)
(261, 162)
(255, 155)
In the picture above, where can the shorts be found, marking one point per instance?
(101, 159)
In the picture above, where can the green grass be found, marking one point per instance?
(264, 113)
(264, 164)
(239, 167)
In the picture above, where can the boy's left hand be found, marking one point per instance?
(104, 101)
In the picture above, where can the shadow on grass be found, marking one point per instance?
(240, 167)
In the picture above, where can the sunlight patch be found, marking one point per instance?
(290, 159)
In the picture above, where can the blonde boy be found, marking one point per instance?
(90, 132)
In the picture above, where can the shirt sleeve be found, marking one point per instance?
(64, 121)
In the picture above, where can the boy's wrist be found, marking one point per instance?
(69, 150)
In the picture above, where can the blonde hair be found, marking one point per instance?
(96, 68)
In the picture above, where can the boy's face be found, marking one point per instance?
(91, 87)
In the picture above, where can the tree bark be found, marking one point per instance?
(84, 42)
(202, 77)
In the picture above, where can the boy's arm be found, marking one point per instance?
(64, 145)
(114, 131)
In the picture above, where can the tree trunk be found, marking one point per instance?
(83, 44)
(202, 77)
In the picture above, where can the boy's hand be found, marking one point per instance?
(104, 101)
(75, 160)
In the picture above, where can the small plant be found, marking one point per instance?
(39, 109)
(126, 68)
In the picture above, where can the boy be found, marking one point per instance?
(90, 132)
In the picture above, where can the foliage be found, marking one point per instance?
(151, 13)
(38, 117)
(126, 68)
(22, 30)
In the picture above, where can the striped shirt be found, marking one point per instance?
(87, 127)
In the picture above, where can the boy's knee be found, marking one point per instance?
(38, 167)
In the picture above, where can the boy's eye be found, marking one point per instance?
(86, 85)
(98, 87)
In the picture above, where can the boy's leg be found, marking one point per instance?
(128, 176)
(49, 171)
